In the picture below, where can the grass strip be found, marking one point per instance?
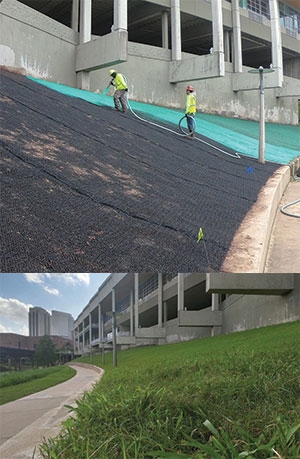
(31, 381)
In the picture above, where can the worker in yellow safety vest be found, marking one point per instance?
(120, 94)
(190, 110)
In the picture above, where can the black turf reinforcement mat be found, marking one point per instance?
(85, 188)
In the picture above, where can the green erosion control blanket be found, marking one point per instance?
(282, 141)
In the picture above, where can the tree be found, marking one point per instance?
(45, 352)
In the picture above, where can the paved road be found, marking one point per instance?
(284, 248)
(25, 422)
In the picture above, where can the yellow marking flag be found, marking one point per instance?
(200, 235)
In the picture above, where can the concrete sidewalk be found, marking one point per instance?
(284, 248)
(24, 423)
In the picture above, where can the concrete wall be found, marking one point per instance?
(32, 41)
(176, 334)
(243, 312)
(215, 95)
(291, 67)
(48, 49)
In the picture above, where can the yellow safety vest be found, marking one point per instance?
(120, 82)
(190, 104)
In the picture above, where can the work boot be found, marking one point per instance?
(192, 136)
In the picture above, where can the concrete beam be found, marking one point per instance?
(290, 88)
(197, 68)
(142, 14)
(123, 340)
(248, 81)
(203, 318)
(250, 284)
(102, 52)
(151, 332)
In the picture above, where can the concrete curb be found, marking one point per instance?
(86, 365)
(249, 248)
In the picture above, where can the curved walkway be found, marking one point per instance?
(25, 422)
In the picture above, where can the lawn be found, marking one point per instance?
(15, 385)
(229, 396)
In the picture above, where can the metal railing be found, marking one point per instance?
(289, 16)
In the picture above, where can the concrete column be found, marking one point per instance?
(180, 295)
(215, 306)
(276, 39)
(74, 341)
(227, 45)
(164, 30)
(90, 328)
(114, 326)
(85, 20)
(83, 78)
(83, 338)
(215, 302)
(175, 30)
(100, 328)
(165, 312)
(136, 301)
(120, 15)
(131, 313)
(160, 298)
(217, 18)
(237, 58)
(75, 15)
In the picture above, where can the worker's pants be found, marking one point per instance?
(120, 95)
(190, 122)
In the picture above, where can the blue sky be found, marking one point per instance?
(66, 292)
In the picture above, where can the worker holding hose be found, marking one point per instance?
(190, 110)
(120, 94)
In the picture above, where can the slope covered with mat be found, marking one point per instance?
(282, 141)
(86, 188)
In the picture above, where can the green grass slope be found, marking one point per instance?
(229, 396)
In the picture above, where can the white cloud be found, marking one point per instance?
(52, 291)
(34, 277)
(4, 329)
(68, 278)
(19, 329)
(71, 278)
(45, 279)
(14, 316)
(77, 278)
(14, 309)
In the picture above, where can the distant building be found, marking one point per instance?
(41, 323)
(16, 350)
(16, 341)
(61, 324)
